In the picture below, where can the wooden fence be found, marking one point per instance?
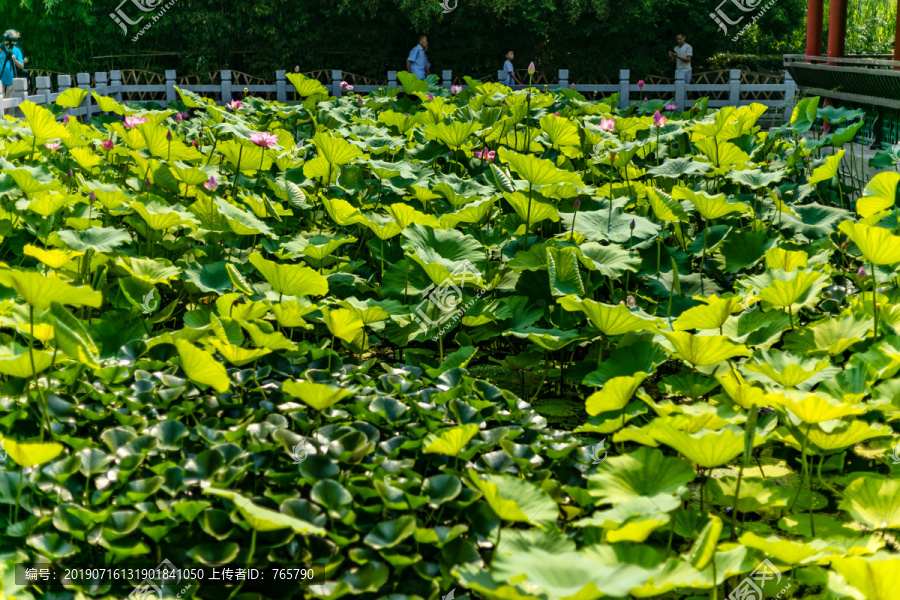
(737, 92)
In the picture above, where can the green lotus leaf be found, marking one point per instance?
(538, 208)
(71, 98)
(560, 131)
(632, 522)
(305, 86)
(452, 135)
(845, 436)
(710, 207)
(264, 519)
(565, 278)
(344, 324)
(237, 355)
(514, 499)
(804, 115)
(705, 448)
(643, 473)
(795, 290)
(665, 207)
(98, 239)
(72, 337)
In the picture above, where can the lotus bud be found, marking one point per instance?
(531, 68)
(66, 120)
(70, 174)
(572, 85)
(194, 143)
(545, 89)
(630, 302)
(528, 96)
(178, 117)
(556, 114)
(844, 246)
(146, 183)
(107, 145)
(359, 100)
(246, 91)
(577, 204)
(861, 274)
(632, 225)
(169, 135)
(431, 96)
(297, 69)
(641, 84)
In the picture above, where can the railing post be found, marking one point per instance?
(20, 91)
(171, 95)
(734, 87)
(624, 85)
(680, 91)
(392, 79)
(64, 82)
(84, 82)
(447, 79)
(100, 84)
(501, 77)
(281, 86)
(563, 78)
(226, 86)
(42, 84)
(790, 93)
(336, 76)
(115, 85)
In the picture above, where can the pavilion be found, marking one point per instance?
(870, 82)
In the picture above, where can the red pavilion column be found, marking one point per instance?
(837, 29)
(897, 36)
(814, 18)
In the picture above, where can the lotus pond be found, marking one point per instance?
(485, 344)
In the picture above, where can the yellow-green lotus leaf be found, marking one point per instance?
(153, 271)
(290, 280)
(15, 361)
(614, 394)
(743, 394)
(53, 258)
(201, 367)
(317, 395)
(39, 291)
(609, 319)
(828, 170)
(452, 441)
(711, 315)
(874, 502)
(701, 351)
(31, 454)
(876, 577)
(811, 407)
(785, 368)
(880, 194)
(793, 291)
(290, 313)
(710, 207)
(238, 355)
(704, 549)
(788, 552)
(877, 245)
(786, 260)
(846, 436)
(705, 448)
(665, 207)
(514, 499)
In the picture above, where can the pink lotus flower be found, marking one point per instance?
(455, 89)
(264, 139)
(235, 105)
(297, 69)
(556, 114)
(346, 86)
(179, 117)
(861, 274)
(431, 96)
(107, 145)
(194, 143)
(485, 154)
(133, 121)
(607, 124)
(641, 84)
(212, 184)
(658, 119)
(66, 120)
(670, 107)
(52, 146)
(646, 98)
(531, 68)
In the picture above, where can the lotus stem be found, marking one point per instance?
(803, 458)
(737, 495)
(874, 303)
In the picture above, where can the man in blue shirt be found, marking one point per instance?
(417, 61)
(10, 60)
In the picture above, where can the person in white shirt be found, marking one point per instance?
(682, 55)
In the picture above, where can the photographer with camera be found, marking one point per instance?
(12, 61)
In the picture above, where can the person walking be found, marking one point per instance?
(682, 55)
(511, 78)
(11, 60)
(417, 61)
